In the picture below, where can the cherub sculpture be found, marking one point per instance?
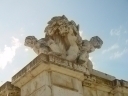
(39, 46)
(65, 35)
(88, 47)
(62, 39)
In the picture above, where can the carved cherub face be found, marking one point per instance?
(30, 41)
(96, 42)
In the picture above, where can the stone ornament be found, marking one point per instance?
(62, 39)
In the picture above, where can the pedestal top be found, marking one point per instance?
(50, 63)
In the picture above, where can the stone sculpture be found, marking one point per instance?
(88, 47)
(62, 39)
(39, 46)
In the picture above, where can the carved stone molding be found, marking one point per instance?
(97, 81)
(49, 62)
(7, 89)
(120, 87)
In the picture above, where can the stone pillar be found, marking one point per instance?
(97, 86)
(50, 76)
(120, 88)
(7, 89)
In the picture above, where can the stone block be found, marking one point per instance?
(89, 91)
(78, 85)
(102, 93)
(43, 91)
(58, 91)
(36, 83)
(62, 80)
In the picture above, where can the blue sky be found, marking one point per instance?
(107, 19)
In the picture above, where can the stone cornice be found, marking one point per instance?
(45, 62)
(8, 88)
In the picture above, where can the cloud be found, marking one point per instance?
(12, 73)
(90, 58)
(26, 49)
(82, 35)
(95, 66)
(81, 32)
(118, 54)
(116, 32)
(7, 55)
(113, 47)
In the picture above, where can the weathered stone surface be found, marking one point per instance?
(62, 80)
(45, 62)
(94, 91)
(7, 89)
(78, 85)
(43, 91)
(124, 83)
(36, 84)
(32, 65)
(102, 93)
(67, 82)
(97, 83)
(120, 87)
(103, 75)
(89, 92)
(58, 91)
(48, 70)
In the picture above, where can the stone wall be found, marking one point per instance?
(48, 75)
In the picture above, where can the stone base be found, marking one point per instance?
(50, 83)
(43, 77)
(52, 76)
